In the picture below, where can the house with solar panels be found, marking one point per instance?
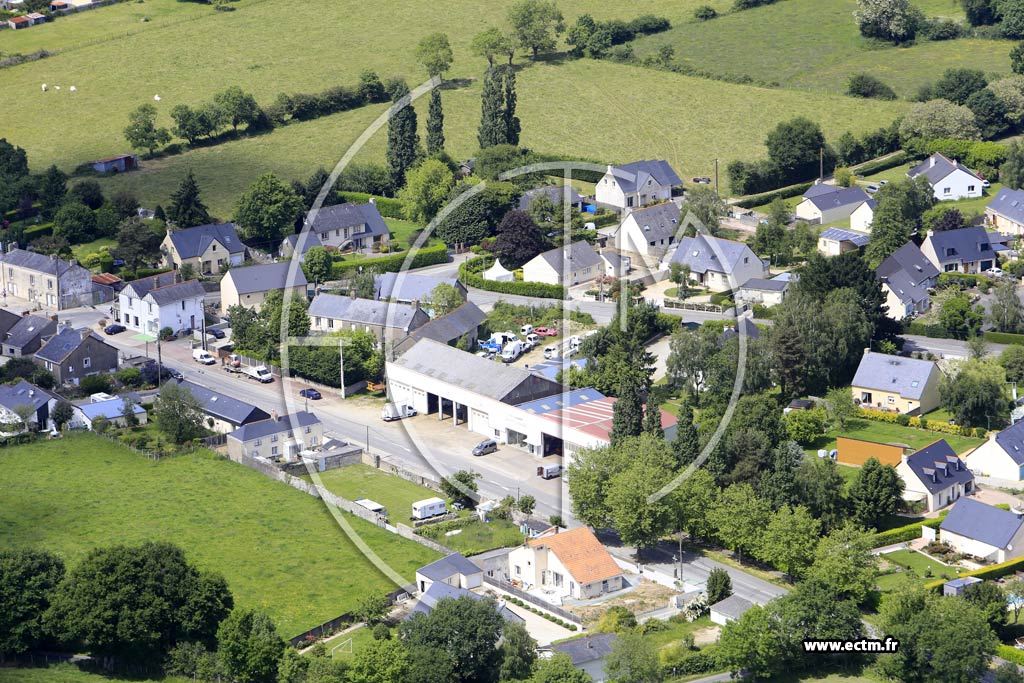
(836, 241)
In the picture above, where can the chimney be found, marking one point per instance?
(53, 257)
(930, 233)
(931, 161)
(275, 416)
(373, 200)
(73, 262)
(609, 168)
(904, 458)
(12, 246)
(590, 644)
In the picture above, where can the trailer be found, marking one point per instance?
(372, 506)
(429, 507)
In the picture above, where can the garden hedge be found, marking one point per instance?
(469, 274)
(968, 279)
(1010, 653)
(870, 167)
(917, 422)
(925, 330)
(1003, 337)
(767, 197)
(392, 208)
(993, 571)
(903, 534)
(427, 256)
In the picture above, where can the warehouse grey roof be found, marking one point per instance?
(630, 176)
(169, 294)
(976, 520)
(589, 648)
(466, 370)
(835, 197)
(447, 567)
(409, 286)
(224, 407)
(705, 253)
(840, 235)
(28, 329)
(657, 222)
(962, 245)
(938, 467)
(575, 256)
(936, 167)
(368, 312)
(264, 428)
(42, 263)
(349, 215)
(554, 193)
(906, 377)
(193, 242)
(62, 344)
(261, 278)
(1010, 204)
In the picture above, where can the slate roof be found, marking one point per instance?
(409, 286)
(365, 311)
(701, 253)
(1011, 440)
(466, 318)
(449, 566)
(578, 255)
(266, 277)
(310, 240)
(976, 520)
(657, 222)
(37, 262)
(193, 242)
(581, 554)
(751, 329)
(27, 329)
(732, 607)
(964, 244)
(22, 393)
(942, 167)
(144, 286)
(64, 343)
(224, 407)
(110, 409)
(906, 377)
(762, 285)
(907, 271)
(1010, 204)
(442, 591)
(555, 193)
(466, 370)
(264, 428)
(589, 648)
(348, 215)
(840, 235)
(169, 294)
(7, 321)
(836, 197)
(629, 176)
(938, 467)
(559, 401)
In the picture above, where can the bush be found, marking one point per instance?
(704, 13)
(469, 274)
(904, 533)
(648, 24)
(391, 208)
(96, 384)
(866, 85)
(1010, 654)
(941, 29)
(965, 280)
(1003, 337)
(871, 168)
(426, 256)
(991, 572)
(767, 197)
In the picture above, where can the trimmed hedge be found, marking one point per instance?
(1003, 337)
(968, 279)
(428, 256)
(994, 571)
(869, 167)
(469, 273)
(925, 330)
(902, 534)
(767, 197)
(1010, 653)
(604, 219)
(917, 422)
(391, 208)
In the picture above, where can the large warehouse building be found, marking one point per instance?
(503, 402)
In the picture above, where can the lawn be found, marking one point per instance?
(66, 673)
(401, 231)
(476, 538)
(885, 432)
(913, 562)
(82, 250)
(364, 481)
(278, 548)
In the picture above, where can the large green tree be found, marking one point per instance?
(435, 123)
(535, 23)
(426, 188)
(179, 414)
(238, 106)
(434, 52)
(28, 580)
(974, 392)
(518, 239)
(796, 148)
(492, 130)
(186, 208)
(896, 21)
(633, 659)
(492, 42)
(1006, 312)
(874, 493)
(268, 210)
(249, 647)
(790, 539)
(467, 630)
(316, 265)
(403, 147)
(142, 131)
(843, 561)
(137, 243)
(739, 518)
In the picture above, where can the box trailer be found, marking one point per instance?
(429, 507)
(372, 506)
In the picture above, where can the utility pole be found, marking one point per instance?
(719, 194)
(341, 365)
(821, 163)
(159, 364)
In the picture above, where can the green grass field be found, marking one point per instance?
(915, 564)
(82, 250)
(363, 481)
(278, 548)
(884, 432)
(66, 673)
(480, 537)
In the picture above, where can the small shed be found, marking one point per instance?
(730, 609)
(19, 22)
(118, 164)
(588, 653)
(454, 570)
(498, 273)
(959, 586)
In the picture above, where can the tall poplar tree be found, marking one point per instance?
(435, 123)
(628, 411)
(492, 125)
(403, 141)
(509, 118)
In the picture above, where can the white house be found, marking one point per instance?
(454, 570)
(151, 304)
(759, 291)
(991, 533)
(650, 231)
(637, 184)
(569, 563)
(862, 216)
(1005, 212)
(1001, 456)
(949, 178)
(966, 250)
(716, 263)
(823, 204)
(836, 241)
(906, 276)
(935, 475)
(570, 265)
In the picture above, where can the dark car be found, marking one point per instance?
(114, 329)
(215, 333)
(311, 394)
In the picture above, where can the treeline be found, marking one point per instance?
(591, 38)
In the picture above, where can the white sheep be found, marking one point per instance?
(73, 89)
(156, 97)
(56, 87)
(44, 87)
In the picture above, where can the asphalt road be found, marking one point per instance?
(945, 348)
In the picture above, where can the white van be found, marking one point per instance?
(552, 351)
(396, 411)
(549, 471)
(526, 330)
(512, 351)
(203, 356)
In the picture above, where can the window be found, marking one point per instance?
(629, 201)
(891, 400)
(49, 284)
(215, 247)
(970, 188)
(87, 362)
(946, 190)
(309, 429)
(183, 304)
(31, 279)
(10, 272)
(259, 442)
(519, 570)
(318, 323)
(273, 450)
(273, 438)
(150, 307)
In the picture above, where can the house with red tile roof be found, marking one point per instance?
(568, 563)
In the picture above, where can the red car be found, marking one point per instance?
(546, 332)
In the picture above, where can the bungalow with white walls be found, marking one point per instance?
(637, 184)
(823, 204)
(718, 264)
(571, 564)
(1001, 456)
(950, 180)
(984, 531)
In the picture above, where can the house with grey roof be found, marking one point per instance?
(224, 414)
(72, 354)
(759, 291)
(454, 570)
(570, 265)
(152, 304)
(405, 288)
(387, 322)
(1002, 454)
(359, 227)
(209, 249)
(637, 184)
(442, 591)
(836, 241)
(463, 322)
(45, 280)
(717, 264)
(249, 286)
(554, 193)
(965, 250)
(112, 410)
(33, 400)
(1005, 212)
(588, 653)
(983, 531)
(935, 475)
(278, 437)
(906, 276)
(896, 383)
(823, 204)
(949, 178)
(298, 245)
(729, 609)
(27, 335)
(649, 231)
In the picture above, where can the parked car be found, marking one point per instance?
(114, 329)
(216, 333)
(883, 182)
(311, 394)
(985, 183)
(702, 180)
(994, 272)
(485, 447)
(173, 373)
(871, 189)
(546, 332)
